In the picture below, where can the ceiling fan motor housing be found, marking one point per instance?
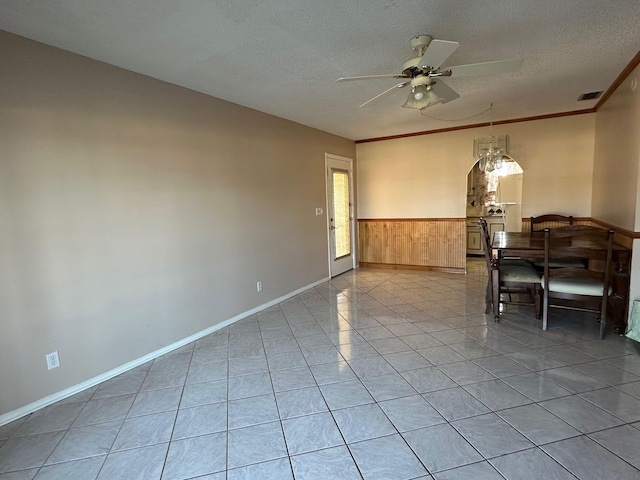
(421, 80)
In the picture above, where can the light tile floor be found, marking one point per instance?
(377, 374)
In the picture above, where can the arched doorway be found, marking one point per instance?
(497, 196)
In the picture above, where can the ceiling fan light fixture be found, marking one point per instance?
(421, 96)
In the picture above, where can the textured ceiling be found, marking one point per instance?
(282, 56)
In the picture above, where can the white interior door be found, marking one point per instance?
(340, 214)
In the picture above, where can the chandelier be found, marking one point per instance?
(490, 149)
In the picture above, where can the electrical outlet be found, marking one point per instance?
(258, 286)
(53, 361)
(319, 211)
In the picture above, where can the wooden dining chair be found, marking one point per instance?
(573, 230)
(579, 289)
(514, 276)
(564, 232)
(537, 224)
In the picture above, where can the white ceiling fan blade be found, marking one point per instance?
(487, 68)
(386, 92)
(367, 77)
(437, 52)
(445, 92)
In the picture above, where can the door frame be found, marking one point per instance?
(327, 170)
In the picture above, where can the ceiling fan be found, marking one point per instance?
(421, 71)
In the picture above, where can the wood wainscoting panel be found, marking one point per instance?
(428, 243)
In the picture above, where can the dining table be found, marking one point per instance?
(530, 245)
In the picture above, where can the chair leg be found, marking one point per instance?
(603, 317)
(545, 308)
(488, 298)
(495, 295)
(537, 299)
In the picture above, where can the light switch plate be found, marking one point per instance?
(319, 211)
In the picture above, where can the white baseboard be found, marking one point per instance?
(67, 392)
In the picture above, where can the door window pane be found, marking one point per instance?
(341, 213)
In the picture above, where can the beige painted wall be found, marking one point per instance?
(425, 176)
(616, 190)
(134, 213)
(617, 157)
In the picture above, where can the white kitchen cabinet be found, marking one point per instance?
(474, 240)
